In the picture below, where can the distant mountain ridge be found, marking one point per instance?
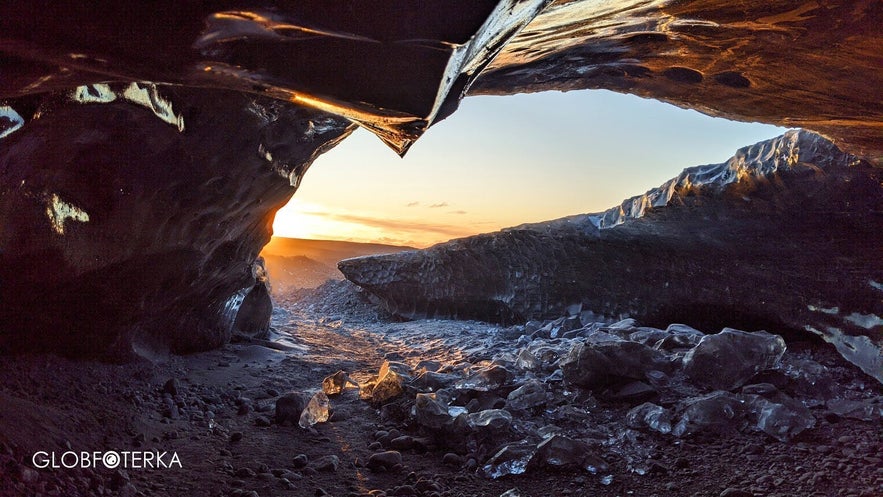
(295, 263)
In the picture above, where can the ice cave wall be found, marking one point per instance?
(133, 215)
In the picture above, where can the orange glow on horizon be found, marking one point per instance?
(305, 220)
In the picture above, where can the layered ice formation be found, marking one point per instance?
(784, 236)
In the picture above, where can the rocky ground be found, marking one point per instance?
(460, 409)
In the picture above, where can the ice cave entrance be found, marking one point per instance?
(503, 161)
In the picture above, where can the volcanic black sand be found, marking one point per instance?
(217, 418)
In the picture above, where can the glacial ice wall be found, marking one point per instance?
(784, 236)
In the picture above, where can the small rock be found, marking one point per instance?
(236, 436)
(384, 461)
(404, 490)
(300, 461)
(403, 442)
(452, 460)
(171, 387)
(245, 473)
(326, 464)
(262, 421)
(425, 485)
(28, 475)
(289, 408)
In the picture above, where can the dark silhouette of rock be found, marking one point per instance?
(126, 228)
(289, 408)
(780, 237)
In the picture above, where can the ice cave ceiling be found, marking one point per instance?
(144, 150)
(396, 66)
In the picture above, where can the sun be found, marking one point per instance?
(300, 220)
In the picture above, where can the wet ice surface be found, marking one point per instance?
(576, 394)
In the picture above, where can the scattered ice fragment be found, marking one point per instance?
(862, 410)
(715, 412)
(317, 411)
(606, 480)
(651, 416)
(727, 360)
(782, 421)
(510, 460)
(336, 383)
(563, 453)
(485, 380)
(431, 413)
(455, 411)
(594, 365)
(527, 396)
(493, 420)
(388, 385)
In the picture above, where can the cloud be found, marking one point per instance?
(412, 204)
(457, 212)
(436, 206)
(395, 224)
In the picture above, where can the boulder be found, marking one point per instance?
(597, 365)
(727, 360)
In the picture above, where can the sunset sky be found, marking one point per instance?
(504, 161)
